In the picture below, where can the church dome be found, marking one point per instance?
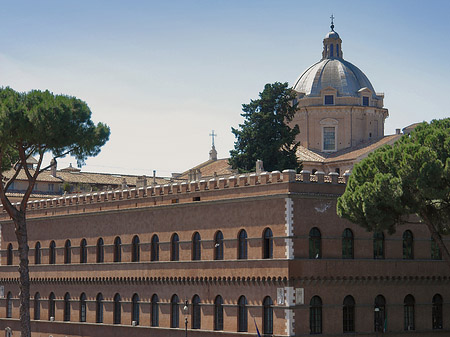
(333, 71)
(341, 75)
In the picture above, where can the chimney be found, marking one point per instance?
(259, 166)
(154, 177)
(141, 181)
(53, 167)
(124, 184)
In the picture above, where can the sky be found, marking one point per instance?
(164, 74)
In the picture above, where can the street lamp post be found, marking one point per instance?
(377, 323)
(186, 311)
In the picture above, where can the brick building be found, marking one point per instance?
(227, 255)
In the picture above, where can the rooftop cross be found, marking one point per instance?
(212, 136)
(332, 22)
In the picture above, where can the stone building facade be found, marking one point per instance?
(264, 250)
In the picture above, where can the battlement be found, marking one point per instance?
(170, 193)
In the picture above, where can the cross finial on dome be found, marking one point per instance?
(332, 22)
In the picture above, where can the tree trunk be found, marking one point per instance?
(437, 238)
(24, 283)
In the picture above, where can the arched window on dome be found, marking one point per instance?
(337, 50)
(331, 50)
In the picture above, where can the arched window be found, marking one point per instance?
(218, 313)
(348, 311)
(117, 315)
(218, 246)
(83, 251)
(242, 245)
(37, 306)
(99, 308)
(135, 309)
(436, 312)
(67, 252)
(408, 313)
(378, 245)
(347, 244)
(315, 244)
(331, 50)
(196, 247)
(408, 245)
(51, 306)
(9, 255)
(37, 253)
(67, 307)
(83, 307)
(154, 248)
(267, 316)
(435, 251)
(267, 244)
(52, 253)
(379, 319)
(155, 310)
(242, 314)
(337, 50)
(9, 305)
(174, 312)
(117, 249)
(135, 249)
(315, 315)
(100, 251)
(196, 312)
(175, 248)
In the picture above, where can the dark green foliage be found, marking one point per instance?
(265, 134)
(412, 177)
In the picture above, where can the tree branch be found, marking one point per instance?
(58, 156)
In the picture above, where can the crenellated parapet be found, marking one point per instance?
(172, 193)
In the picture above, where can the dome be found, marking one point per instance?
(339, 74)
(332, 35)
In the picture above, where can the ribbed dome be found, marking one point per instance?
(345, 77)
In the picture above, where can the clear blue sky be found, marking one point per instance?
(163, 74)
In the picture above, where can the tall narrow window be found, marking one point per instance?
(174, 312)
(117, 315)
(155, 310)
(408, 310)
(337, 50)
(51, 306)
(135, 309)
(315, 315)
(135, 249)
(9, 305)
(347, 244)
(196, 312)
(196, 247)
(315, 245)
(117, 249)
(99, 308)
(37, 306)
(435, 251)
(218, 313)
(378, 245)
(9, 255)
(331, 50)
(365, 101)
(436, 312)
(242, 245)
(348, 311)
(52, 253)
(267, 244)
(154, 248)
(408, 245)
(37, 253)
(379, 318)
(242, 314)
(267, 316)
(67, 252)
(83, 307)
(83, 251)
(100, 251)
(329, 138)
(175, 248)
(218, 246)
(67, 307)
